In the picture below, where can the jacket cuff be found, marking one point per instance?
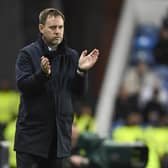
(42, 76)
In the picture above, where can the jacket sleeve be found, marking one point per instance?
(80, 82)
(80, 85)
(27, 80)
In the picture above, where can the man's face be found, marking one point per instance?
(53, 30)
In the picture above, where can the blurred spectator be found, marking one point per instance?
(85, 121)
(9, 134)
(161, 48)
(157, 139)
(139, 77)
(153, 109)
(9, 102)
(145, 39)
(146, 55)
(124, 104)
(131, 131)
(146, 36)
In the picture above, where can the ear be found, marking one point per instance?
(41, 28)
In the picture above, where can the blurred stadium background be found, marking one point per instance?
(123, 120)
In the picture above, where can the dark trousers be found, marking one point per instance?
(25, 160)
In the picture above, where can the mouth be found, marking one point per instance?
(57, 37)
(57, 40)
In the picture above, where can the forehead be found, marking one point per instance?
(54, 20)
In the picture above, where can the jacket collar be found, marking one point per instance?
(61, 49)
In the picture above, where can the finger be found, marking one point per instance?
(84, 53)
(94, 52)
(45, 61)
(49, 69)
(44, 58)
(46, 65)
(95, 60)
(95, 57)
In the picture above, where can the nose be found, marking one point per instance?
(57, 30)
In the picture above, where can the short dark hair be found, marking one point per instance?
(49, 12)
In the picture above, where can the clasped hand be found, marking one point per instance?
(45, 65)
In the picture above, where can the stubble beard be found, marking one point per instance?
(53, 43)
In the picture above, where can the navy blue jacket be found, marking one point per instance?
(46, 108)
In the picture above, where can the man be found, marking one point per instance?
(48, 74)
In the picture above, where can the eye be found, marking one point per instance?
(60, 27)
(53, 27)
